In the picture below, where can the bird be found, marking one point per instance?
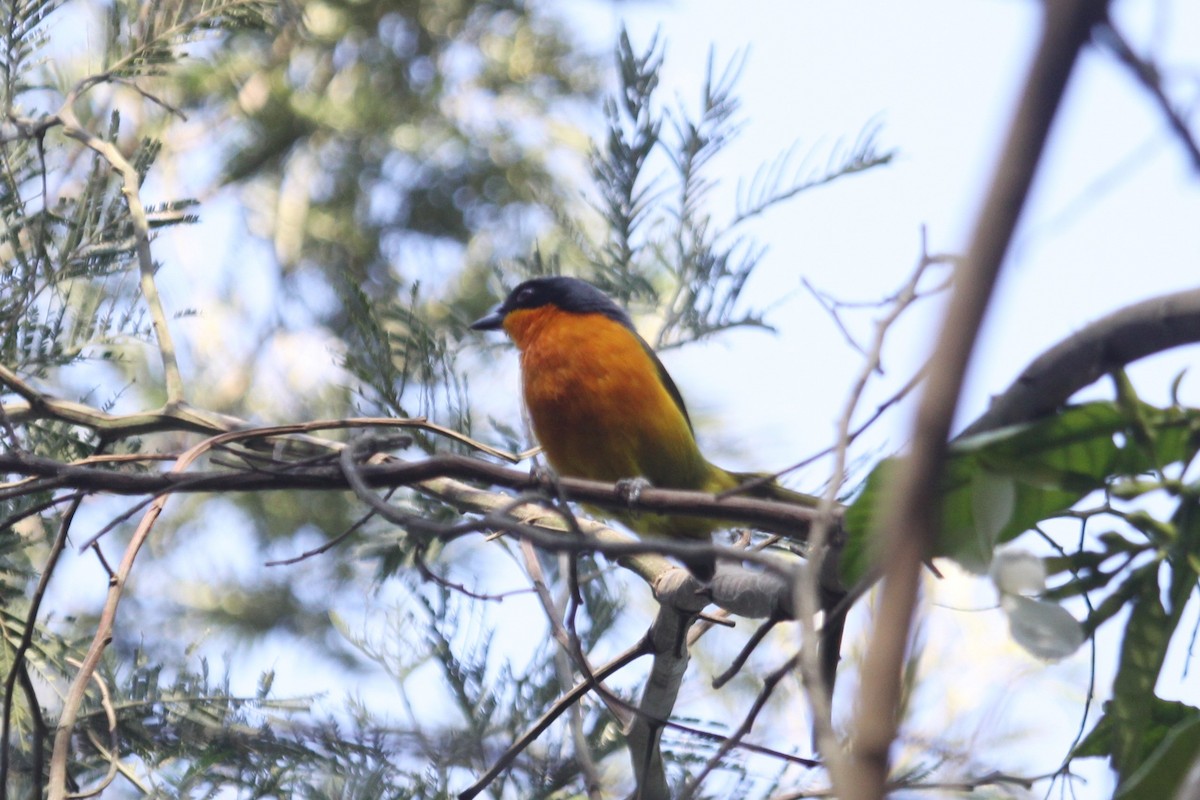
(603, 406)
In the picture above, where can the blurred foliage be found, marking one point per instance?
(393, 153)
(67, 292)
(374, 138)
(400, 143)
(1003, 483)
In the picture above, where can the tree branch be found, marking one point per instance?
(131, 189)
(668, 639)
(1147, 75)
(554, 712)
(910, 519)
(18, 665)
(1101, 347)
(817, 583)
(767, 515)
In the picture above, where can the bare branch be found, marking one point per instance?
(17, 668)
(768, 515)
(57, 789)
(769, 683)
(740, 659)
(131, 188)
(910, 517)
(568, 649)
(1101, 347)
(816, 585)
(112, 753)
(668, 637)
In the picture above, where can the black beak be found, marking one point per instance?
(494, 320)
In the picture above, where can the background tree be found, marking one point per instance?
(411, 152)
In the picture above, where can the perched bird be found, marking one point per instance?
(603, 406)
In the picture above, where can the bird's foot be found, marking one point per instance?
(543, 477)
(630, 490)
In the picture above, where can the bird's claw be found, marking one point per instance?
(543, 476)
(630, 489)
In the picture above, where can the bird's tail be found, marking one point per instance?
(764, 486)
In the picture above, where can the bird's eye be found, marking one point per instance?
(523, 297)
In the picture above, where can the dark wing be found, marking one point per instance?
(581, 297)
(665, 377)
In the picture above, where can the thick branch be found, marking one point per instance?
(668, 638)
(1105, 345)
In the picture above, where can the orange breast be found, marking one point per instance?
(597, 404)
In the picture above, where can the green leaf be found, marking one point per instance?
(1114, 602)
(1161, 774)
(1045, 467)
(1053, 463)
(993, 501)
(1147, 634)
(1141, 724)
(1164, 715)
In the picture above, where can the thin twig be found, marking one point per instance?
(1150, 79)
(324, 547)
(31, 617)
(743, 655)
(640, 649)
(113, 753)
(812, 581)
(830, 307)
(769, 683)
(566, 651)
(106, 623)
(429, 574)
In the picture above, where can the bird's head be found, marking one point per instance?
(561, 293)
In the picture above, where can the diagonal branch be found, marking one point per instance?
(910, 517)
(635, 652)
(131, 188)
(568, 649)
(57, 789)
(1109, 343)
(1150, 79)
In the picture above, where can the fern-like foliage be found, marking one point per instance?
(146, 38)
(662, 248)
(70, 291)
(24, 35)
